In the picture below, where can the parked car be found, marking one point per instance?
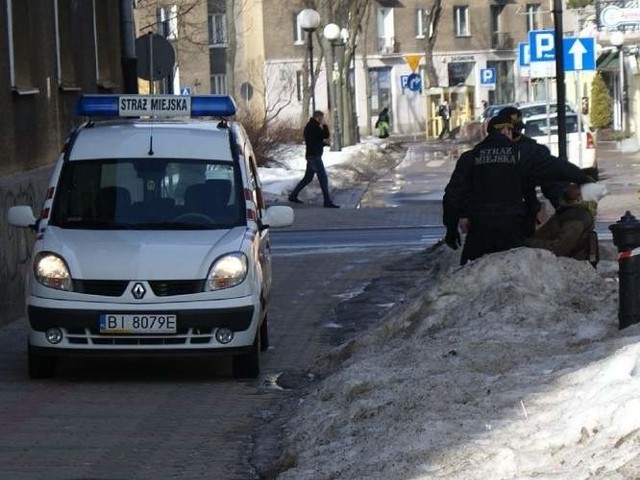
(153, 239)
(530, 109)
(581, 142)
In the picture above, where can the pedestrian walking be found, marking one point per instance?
(485, 197)
(316, 137)
(383, 123)
(444, 111)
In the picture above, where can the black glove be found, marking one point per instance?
(452, 238)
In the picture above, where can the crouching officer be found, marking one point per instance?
(485, 196)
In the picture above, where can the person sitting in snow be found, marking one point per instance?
(567, 233)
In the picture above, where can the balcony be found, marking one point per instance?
(502, 41)
(388, 46)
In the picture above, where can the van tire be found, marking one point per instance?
(264, 334)
(41, 366)
(247, 365)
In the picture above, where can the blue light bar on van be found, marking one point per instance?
(156, 106)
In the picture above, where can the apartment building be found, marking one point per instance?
(470, 35)
(260, 54)
(50, 53)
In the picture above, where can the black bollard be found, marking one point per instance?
(626, 237)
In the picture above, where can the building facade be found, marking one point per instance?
(50, 53)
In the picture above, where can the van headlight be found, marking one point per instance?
(227, 271)
(52, 271)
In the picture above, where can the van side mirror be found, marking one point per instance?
(278, 216)
(22, 216)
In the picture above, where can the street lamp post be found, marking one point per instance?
(309, 21)
(332, 33)
(617, 40)
(355, 131)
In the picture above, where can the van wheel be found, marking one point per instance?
(247, 365)
(264, 334)
(41, 366)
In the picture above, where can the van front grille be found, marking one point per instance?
(167, 288)
(107, 288)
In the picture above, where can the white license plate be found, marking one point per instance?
(138, 323)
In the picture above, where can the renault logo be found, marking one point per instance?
(138, 291)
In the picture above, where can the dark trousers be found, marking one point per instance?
(445, 128)
(315, 166)
(493, 233)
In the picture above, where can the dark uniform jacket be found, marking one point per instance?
(314, 138)
(566, 233)
(489, 185)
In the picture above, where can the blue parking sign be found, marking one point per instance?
(488, 77)
(542, 45)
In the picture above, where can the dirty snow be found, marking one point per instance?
(278, 180)
(510, 367)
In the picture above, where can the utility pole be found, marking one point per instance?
(560, 79)
(128, 48)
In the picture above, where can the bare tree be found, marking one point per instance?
(433, 15)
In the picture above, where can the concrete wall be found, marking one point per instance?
(26, 188)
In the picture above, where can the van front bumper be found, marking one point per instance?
(196, 326)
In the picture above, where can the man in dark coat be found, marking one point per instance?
(552, 190)
(485, 196)
(567, 232)
(316, 137)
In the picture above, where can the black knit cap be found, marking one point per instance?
(509, 115)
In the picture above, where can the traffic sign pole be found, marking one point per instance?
(560, 79)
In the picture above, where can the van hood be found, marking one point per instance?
(141, 255)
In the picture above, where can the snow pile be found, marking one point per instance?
(510, 367)
(278, 180)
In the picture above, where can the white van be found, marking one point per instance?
(153, 238)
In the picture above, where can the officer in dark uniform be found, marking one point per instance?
(552, 190)
(485, 196)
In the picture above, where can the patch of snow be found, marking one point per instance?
(510, 367)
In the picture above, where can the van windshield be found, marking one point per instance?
(148, 194)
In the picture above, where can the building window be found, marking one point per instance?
(504, 91)
(167, 19)
(298, 32)
(422, 22)
(107, 62)
(386, 34)
(65, 64)
(461, 21)
(18, 29)
(217, 30)
(380, 80)
(219, 84)
(459, 73)
(533, 17)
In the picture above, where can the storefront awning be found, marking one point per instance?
(608, 62)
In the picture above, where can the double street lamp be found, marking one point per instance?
(617, 40)
(309, 21)
(336, 37)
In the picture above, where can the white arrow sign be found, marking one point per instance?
(577, 50)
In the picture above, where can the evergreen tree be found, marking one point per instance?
(601, 103)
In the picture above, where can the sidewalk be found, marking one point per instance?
(621, 173)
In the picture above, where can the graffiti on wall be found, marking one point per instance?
(15, 243)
